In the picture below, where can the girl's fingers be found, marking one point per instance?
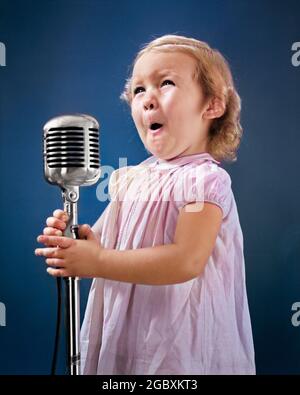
(44, 239)
(58, 263)
(58, 241)
(57, 272)
(52, 232)
(53, 222)
(49, 252)
(60, 214)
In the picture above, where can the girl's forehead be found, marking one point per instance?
(152, 63)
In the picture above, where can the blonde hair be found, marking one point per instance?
(214, 76)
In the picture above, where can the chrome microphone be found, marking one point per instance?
(71, 150)
(71, 160)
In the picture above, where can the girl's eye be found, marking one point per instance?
(137, 90)
(168, 82)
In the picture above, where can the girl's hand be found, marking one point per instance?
(56, 224)
(69, 257)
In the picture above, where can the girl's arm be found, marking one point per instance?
(184, 259)
(181, 261)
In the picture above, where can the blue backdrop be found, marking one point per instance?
(73, 56)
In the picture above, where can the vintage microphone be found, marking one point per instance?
(72, 160)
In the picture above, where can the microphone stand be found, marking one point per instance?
(70, 197)
(71, 159)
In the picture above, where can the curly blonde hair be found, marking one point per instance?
(214, 76)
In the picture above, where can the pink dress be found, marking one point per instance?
(201, 326)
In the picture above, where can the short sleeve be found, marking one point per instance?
(207, 183)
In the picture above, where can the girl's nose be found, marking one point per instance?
(150, 102)
(149, 106)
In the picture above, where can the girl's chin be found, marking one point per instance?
(160, 152)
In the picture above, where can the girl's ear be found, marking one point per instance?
(215, 108)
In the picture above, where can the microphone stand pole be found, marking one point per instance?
(70, 197)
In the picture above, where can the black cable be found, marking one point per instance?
(67, 326)
(57, 332)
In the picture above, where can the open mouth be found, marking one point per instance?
(155, 127)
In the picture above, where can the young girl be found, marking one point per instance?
(166, 255)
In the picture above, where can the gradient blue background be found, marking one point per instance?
(73, 56)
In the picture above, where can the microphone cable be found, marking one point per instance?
(58, 326)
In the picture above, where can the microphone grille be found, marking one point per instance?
(72, 146)
(71, 150)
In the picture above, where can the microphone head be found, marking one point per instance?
(71, 150)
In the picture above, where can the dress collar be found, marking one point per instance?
(155, 162)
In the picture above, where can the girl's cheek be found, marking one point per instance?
(135, 110)
(134, 115)
(169, 99)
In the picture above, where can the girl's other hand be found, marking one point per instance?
(56, 224)
(69, 257)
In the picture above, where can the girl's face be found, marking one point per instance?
(165, 93)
